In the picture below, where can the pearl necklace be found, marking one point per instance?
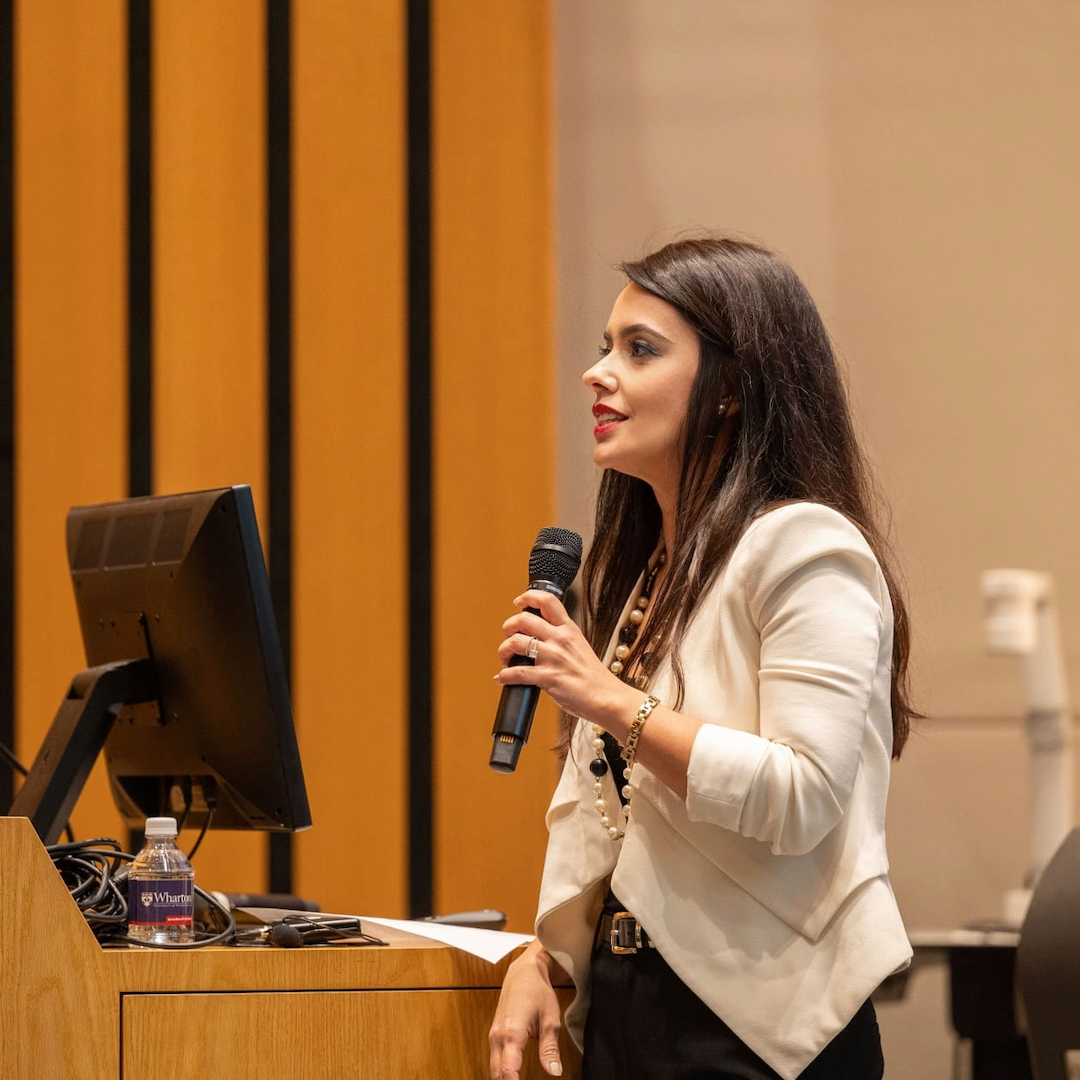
(599, 766)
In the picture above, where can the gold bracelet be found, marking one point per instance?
(630, 751)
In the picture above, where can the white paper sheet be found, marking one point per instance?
(490, 945)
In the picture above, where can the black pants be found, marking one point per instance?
(645, 1024)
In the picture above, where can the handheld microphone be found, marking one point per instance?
(553, 565)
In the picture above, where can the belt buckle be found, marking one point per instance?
(625, 919)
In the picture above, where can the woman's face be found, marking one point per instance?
(648, 363)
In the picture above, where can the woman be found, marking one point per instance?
(733, 918)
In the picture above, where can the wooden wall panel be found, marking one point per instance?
(209, 267)
(491, 398)
(349, 400)
(69, 285)
(494, 469)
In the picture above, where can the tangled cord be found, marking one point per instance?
(96, 874)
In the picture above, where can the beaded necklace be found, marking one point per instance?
(599, 765)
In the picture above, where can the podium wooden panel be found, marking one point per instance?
(70, 1008)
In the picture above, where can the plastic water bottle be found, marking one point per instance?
(161, 888)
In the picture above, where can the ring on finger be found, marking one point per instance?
(532, 648)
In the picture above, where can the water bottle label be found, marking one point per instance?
(167, 902)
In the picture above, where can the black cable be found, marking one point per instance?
(13, 760)
(185, 787)
(96, 875)
(87, 871)
(206, 825)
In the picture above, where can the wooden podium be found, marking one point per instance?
(70, 1009)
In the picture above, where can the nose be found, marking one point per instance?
(599, 376)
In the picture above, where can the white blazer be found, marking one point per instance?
(766, 889)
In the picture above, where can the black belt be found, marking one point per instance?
(623, 934)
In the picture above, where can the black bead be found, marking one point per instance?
(598, 766)
(628, 634)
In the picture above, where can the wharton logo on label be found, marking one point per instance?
(161, 903)
(149, 898)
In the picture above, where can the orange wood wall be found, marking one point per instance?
(492, 394)
(209, 272)
(349, 385)
(494, 457)
(70, 334)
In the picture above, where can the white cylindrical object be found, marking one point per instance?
(1012, 599)
(1022, 621)
(1044, 667)
(1051, 778)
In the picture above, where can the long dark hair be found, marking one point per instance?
(791, 438)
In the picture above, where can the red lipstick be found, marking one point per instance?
(608, 418)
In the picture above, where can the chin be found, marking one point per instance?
(607, 461)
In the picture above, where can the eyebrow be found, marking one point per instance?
(640, 328)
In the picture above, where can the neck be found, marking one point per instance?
(667, 520)
(669, 533)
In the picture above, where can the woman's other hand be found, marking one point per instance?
(528, 1009)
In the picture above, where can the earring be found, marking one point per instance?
(722, 409)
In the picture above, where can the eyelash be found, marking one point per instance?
(638, 349)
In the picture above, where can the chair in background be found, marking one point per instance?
(1048, 966)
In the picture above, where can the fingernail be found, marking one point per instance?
(555, 1068)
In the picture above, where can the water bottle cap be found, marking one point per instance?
(160, 826)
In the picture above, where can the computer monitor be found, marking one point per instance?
(185, 688)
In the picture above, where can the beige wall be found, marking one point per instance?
(916, 163)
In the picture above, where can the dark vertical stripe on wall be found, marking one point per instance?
(279, 356)
(7, 395)
(420, 694)
(140, 251)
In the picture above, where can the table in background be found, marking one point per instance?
(982, 996)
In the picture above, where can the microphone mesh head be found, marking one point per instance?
(286, 935)
(555, 557)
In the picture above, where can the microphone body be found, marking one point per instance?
(553, 565)
(291, 933)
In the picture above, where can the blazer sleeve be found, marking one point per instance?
(815, 593)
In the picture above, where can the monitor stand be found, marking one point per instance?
(76, 737)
